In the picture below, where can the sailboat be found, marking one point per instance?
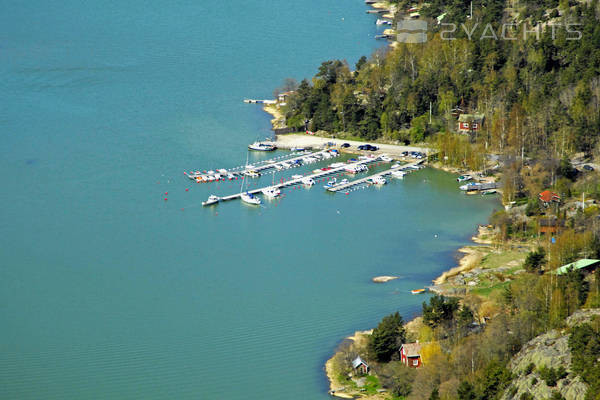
(248, 197)
(272, 191)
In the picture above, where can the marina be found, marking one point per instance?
(308, 180)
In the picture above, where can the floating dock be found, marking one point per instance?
(260, 166)
(254, 101)
(298, 181)
(405, 167)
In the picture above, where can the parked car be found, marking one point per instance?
(588, 167)
(345, 145)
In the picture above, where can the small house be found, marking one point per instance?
(468, 123)
(547, 197)
(410, 355)
(359, 366)
(550, 225)
(585, 264)
(282, 98)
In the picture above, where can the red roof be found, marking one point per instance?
(547, 196)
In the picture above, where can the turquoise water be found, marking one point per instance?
(109, 291)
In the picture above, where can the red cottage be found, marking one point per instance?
(547, 197)
(470, 123)
(410, 355)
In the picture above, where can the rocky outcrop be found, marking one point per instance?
(550, 350)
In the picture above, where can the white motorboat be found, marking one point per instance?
(271, 192)
(249, 198)
(378, 180)
(212, 199)
(398, 174)
(470, 186)
(308, 181)
(330, 184)
(262, 146)
(251, 173)
(356, 168)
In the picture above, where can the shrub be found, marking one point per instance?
(530, 368)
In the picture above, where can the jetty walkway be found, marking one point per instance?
(299, 181)
(355, 182)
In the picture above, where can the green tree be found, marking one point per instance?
(535, 260)
(466, 391)
(439, 310)
(387, 337)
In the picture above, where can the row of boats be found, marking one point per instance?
(274, 191)
(255, 171)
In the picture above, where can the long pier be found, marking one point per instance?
(298, 181)
(273, 164)
(355, 182)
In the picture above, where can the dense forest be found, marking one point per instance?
(539, 95)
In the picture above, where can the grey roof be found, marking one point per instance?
(357, 361)
(412, 349)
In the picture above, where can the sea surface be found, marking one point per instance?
(114, 281)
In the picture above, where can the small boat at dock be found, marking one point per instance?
(308, 181)
(330, 184)
(271, 192)
(249, 198)
(378, 180)
(262, 146)
(212, 199)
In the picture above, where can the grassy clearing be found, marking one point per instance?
(508, 258)
(487, 291)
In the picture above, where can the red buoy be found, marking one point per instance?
(187, 189)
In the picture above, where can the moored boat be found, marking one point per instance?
(417, 291)
(212, 199)
(249, 198)
(330, 184)
(378, 180)
(308, 181)
(271, 192)
(398, 174)
(262, 146)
